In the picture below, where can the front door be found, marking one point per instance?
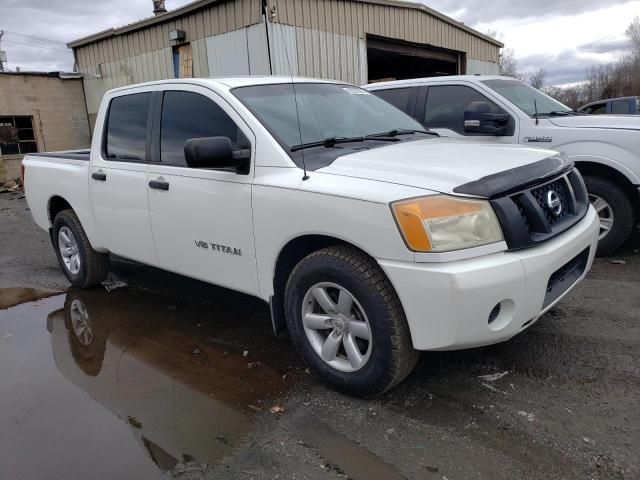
(118, 178)
(201, 218)
(443, 111)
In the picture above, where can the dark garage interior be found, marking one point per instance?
(390, 59)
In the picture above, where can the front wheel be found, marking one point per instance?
(81, 264)
(615, 211)
(346, 321)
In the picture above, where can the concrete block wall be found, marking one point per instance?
(58, 110)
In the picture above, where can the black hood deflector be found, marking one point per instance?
(517, 178)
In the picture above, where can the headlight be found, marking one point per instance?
(440, 223)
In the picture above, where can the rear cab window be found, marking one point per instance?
(398, 97)
(126, 128)
(621, 107)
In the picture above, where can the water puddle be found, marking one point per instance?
(97, 385)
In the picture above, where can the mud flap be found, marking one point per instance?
(278, 320)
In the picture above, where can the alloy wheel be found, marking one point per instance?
(605, 212)
(337, 327)
(69, 250)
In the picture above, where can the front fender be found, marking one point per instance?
(611, 155)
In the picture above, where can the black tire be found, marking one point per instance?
(622, 209)
(392, 356)
(94, 266)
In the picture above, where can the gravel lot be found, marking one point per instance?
(179, 380)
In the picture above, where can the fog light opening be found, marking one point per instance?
(494, 313)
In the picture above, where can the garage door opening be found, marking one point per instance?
(390, 59)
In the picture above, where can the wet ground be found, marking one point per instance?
(172, 378)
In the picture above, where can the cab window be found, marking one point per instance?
(188, 115)
(597, 109)
(620, 107)
(398, 97)
(126, 128)
(446, 106)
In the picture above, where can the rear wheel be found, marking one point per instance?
(81, 264)
(346, 321)
(615, 211)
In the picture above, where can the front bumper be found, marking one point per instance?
(448, 305)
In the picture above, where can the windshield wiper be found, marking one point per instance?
(401, 131)
(333, 141)
(561, 113)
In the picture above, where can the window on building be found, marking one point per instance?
(188, 115)
(16, 135)
(398, 97)
(127, 128)
(446, 105)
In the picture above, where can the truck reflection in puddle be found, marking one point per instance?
(166, 369)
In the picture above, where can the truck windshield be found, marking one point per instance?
(325, 112)
(523, 96)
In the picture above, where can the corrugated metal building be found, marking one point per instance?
(357, 41)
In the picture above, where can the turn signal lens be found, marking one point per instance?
(441, 223)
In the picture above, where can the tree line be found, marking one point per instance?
(617, 79)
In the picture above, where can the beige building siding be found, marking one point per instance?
(323, 38)
(141, 54)
(58, 110)
(400, 21)
(482, 68)
(219, 17)
(316, 53)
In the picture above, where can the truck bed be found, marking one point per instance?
(82, 154)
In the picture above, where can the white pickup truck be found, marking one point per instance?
(605, 149)
(370, 237)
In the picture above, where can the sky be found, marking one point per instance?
(563, 36)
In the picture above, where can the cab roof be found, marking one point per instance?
(447, 78)
(231, 81)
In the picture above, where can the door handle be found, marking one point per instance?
(100, 176)
(159, 185)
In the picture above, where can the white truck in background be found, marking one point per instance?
(370, 237)
(605, 149)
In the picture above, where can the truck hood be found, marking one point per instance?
(619, 122)
(438, 164)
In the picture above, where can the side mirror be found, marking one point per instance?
(214, 152)
(479, 119)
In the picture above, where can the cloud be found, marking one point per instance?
(470, 12)
(62, 21)
(606, 45)
(567, 66)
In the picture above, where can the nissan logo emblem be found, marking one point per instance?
(553, 203)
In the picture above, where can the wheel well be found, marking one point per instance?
(56, 205)
(599, 170)
(289, 256)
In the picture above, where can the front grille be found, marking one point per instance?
(539, 213)
(559, 186)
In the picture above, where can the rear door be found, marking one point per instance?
(118, 178)
(201, 218)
